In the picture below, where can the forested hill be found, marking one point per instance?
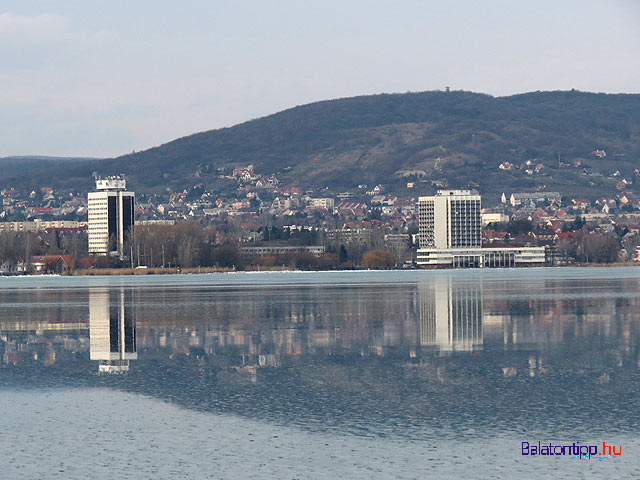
(457, 137)
(23, 167)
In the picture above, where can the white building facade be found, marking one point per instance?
(111, 216)
(450, 235)
(450, 219)
(39, 225)
(326, 203)
(494, 217)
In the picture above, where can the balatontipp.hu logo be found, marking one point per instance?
(574, 450)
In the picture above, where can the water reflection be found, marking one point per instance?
(451, 315)
(112, 329)
(370, 358)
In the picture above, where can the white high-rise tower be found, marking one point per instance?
(450, 219)
(450, 235)
(111, 211)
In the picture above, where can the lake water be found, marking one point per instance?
(367, 375)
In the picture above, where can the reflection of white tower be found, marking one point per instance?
(112, 330)
(451, 314)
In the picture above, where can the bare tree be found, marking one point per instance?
(597, 247)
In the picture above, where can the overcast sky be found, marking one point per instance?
(106, 78)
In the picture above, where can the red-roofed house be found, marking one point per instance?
(51, 263)
(569, 235)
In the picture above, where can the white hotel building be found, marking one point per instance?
(450, 235)
(110, 212)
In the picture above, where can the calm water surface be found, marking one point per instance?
(320, 375)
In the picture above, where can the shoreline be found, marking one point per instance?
(204, 270)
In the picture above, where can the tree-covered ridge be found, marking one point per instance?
(457, 137)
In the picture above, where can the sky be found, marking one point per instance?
(102, 79)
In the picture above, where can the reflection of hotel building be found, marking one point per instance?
(110, 212)
(450, 235)
(112, 329)
(451, 315)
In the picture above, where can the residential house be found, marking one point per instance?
(351, 209)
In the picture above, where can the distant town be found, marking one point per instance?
(267, 226)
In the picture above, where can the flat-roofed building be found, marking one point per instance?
(450, 235)
(326, 203)
(482, 257)
(450, 219)
(41, 225)
(110, 216)
(524, 198)
(494, 217)
(273, 250)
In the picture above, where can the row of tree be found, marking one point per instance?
(21, 247)
(183, 245)
(192, 245)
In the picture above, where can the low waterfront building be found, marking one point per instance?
(273, 250)
(483, 257)
(164, 222)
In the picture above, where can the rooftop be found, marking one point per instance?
(116, 182)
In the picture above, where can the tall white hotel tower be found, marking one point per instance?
(111, 211)
(450, 235)
(450, 219)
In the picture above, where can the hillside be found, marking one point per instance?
(34, 170)
(455, 137)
